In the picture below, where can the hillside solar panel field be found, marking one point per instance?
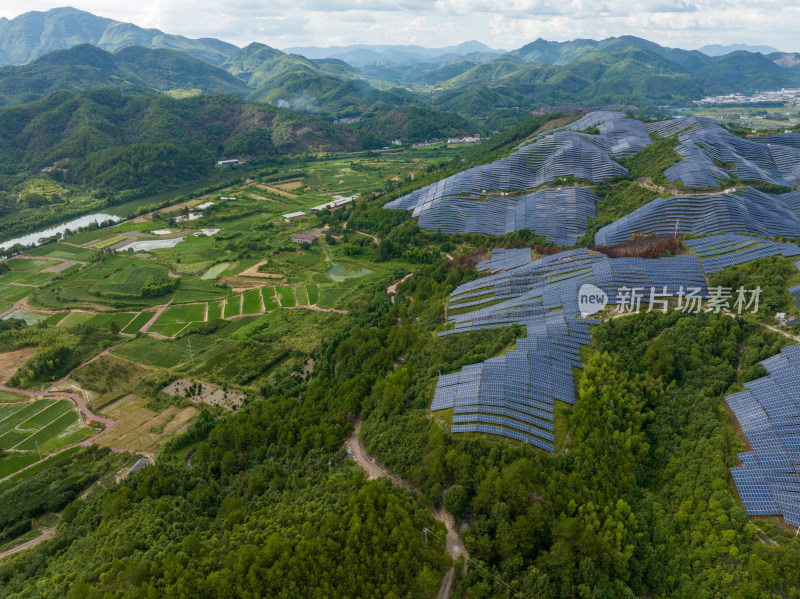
(718, 252)
(768, 410)
(477, 200)
(741, 211)
(513, 395)
(491, 198)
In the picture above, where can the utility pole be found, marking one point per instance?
(676, 226)
(37, 450)
(425, 531)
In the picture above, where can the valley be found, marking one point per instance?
(376, 320)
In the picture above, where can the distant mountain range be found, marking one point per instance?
(719, 50)
(360, 55)
(67, 49)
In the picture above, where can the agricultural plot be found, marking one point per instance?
(108, 378)
(13, 293)
(14, 462)
(161, 353)
(286, 296)
(104, 243)
(75, 318)
(175, 318)
(214, 310)
(313, 294)
(233, 306)
(44, 424)
(302, 295)
(113, 280)
(270, 303)
(135, 325)
(251, 302)
(106, 321)
(141, 429)
(10, 362)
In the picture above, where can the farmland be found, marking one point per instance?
(202, 315)
(46, 424)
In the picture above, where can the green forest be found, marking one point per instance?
(638, 501)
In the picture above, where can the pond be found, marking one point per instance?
(340, 272)
(30, 318)
(214, 271)
(83, 221)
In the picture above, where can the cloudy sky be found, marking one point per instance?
(504, 24)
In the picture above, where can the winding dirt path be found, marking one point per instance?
(373, 469)
(392, 289)
(45, 535)
(155, 317)
(17, 305)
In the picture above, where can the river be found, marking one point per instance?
(83, 221)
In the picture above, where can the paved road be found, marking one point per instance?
(45, 535)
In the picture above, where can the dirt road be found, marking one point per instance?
(45, 535)
(373, 469)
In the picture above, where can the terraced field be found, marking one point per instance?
(45, 424)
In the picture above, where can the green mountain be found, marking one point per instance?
(135, 68)
(744, 71)
(105, 140)
(34, 34)
(631, 74)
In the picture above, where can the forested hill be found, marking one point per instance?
(105, 140)
(86, 67)
(34, 34)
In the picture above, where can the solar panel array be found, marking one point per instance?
(741, 211)
(706, 145)
(718, 252)
(559, 215)
(477, 200)
(505, 259)
(513, 395)
(768, 412)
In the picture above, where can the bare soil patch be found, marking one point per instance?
(11, 361)
(205, 393)
(253, 272)
(61, 266)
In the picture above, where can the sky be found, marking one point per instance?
(505, 24)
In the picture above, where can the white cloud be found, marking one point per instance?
(498, 23)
